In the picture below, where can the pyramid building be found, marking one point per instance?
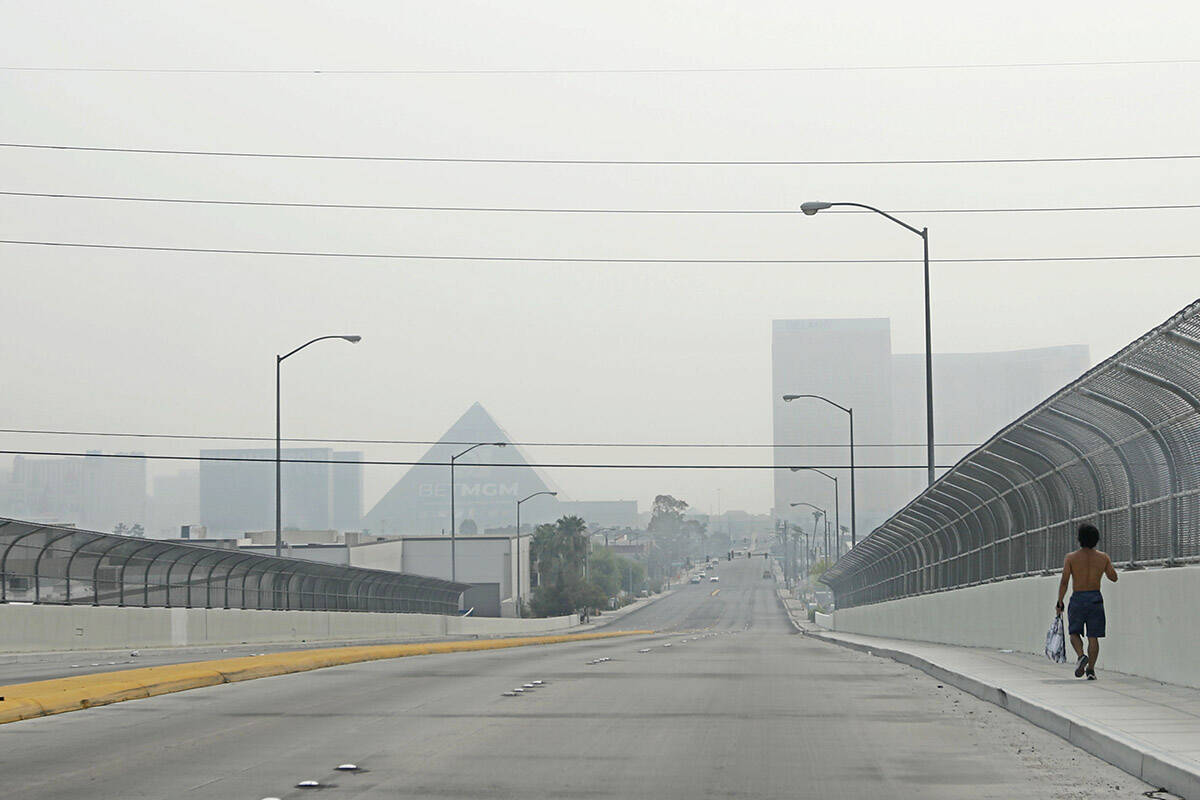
(419, 503)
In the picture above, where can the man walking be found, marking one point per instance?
(1083, 568)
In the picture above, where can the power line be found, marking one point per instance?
(603, 162)
(206, 437)
(592, 70)
(594, 260)
(460, 465)
(551, 210)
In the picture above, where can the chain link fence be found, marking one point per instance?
(49, 564)
(1119, 448)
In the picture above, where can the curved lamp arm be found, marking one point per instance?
(351, 338)
(813, 207)
(787, 398)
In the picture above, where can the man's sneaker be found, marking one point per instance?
(1081, 666)
(1091, 674)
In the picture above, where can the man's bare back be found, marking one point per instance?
(1086, 567)
(1083, 569)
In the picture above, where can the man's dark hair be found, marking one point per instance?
(1089, 536)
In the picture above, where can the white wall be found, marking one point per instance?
(29, 628)
(1153, 628)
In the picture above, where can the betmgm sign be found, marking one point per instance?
(466, 490)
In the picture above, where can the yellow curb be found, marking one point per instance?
(42, 698)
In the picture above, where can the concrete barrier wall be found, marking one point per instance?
(31, 628)
(1153, 627)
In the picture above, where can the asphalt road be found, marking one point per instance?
(743, 708)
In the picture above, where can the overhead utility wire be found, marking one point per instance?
(567, 260)
(547, 210)
(204, 437)
(603, 162)
(590, 70)
(393, 463)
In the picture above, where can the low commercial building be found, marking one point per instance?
(485, 562)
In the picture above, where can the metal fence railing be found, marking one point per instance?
(59, 565)
(1119, 447)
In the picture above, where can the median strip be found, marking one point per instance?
(43, 698)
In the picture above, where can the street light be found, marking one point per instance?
(787, 398)
(517, 592)
(278, 480)
(817, 510)
(813, 207)
(453, 522)
(837, 504)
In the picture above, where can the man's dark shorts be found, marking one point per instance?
(1086, 609)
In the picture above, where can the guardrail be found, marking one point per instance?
(1119, 448)
(51, 564)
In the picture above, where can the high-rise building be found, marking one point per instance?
(237, 494)
(850, 362)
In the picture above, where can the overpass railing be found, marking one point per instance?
(1119, 448)
(60, 565)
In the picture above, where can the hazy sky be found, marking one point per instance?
(184, 343)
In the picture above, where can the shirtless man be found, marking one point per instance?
(1084, 568)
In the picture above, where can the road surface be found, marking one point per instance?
(743, 708)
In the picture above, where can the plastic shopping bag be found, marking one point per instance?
(1056, 643)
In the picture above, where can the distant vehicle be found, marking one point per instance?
(644, 593)
(703, 575)
(713, 579)
(695, 579)
(766, 573)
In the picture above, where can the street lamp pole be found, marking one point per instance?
(787, 398)
(837, 504)
(517, 591)
(279, 359)
(811, 208)
(453, 521)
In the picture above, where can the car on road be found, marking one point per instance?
(695, 579)
(713, 579)
(766, 573)
(702, 575)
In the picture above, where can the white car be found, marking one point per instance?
(695, 579)
(713, 579)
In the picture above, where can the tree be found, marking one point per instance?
(667, 514)
(559, 551)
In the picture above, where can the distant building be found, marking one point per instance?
(597, 513)
(95, 492)
(174, 500)
(974, 395)
(317, 494)
(419, 503)
(485, 496)
(485, 562)
(850, 362)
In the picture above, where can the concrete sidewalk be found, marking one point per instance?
(1149, 729)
